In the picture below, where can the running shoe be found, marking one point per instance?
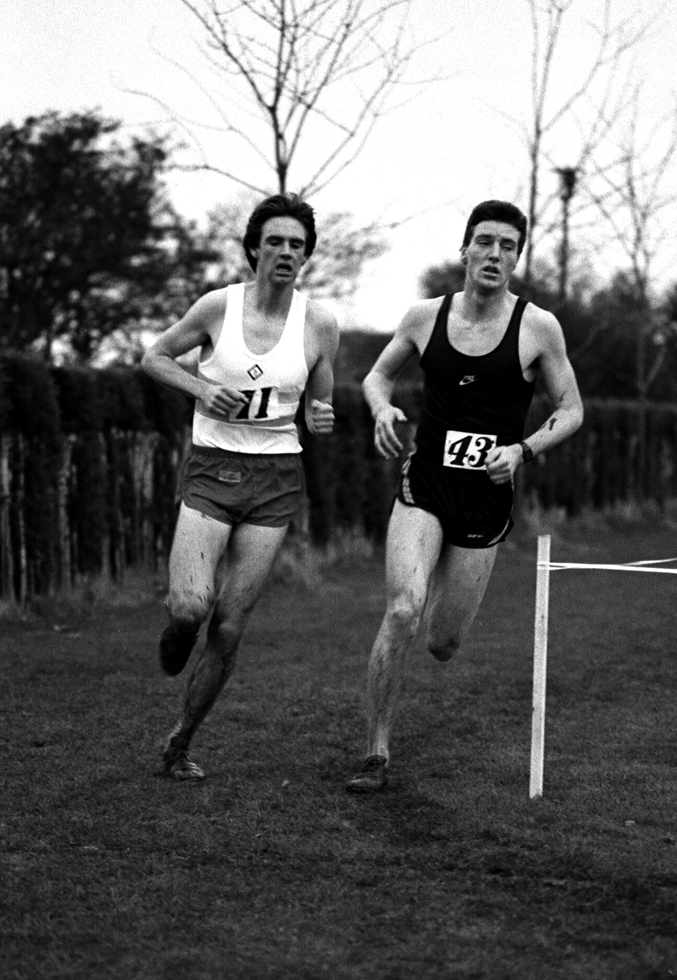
(372, 777)
(177, 765)
(175, 648)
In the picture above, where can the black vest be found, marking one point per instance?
(486, 394)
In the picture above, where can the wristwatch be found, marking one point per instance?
(527, 453)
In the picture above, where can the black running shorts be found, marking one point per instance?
(266, 489)
(473, 511)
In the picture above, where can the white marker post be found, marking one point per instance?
(540, 663)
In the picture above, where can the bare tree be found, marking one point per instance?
(296, 79)
(596, 99)
(634, 198)
(343, 248)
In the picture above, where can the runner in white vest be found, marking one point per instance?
(262, 345)
(272, 382)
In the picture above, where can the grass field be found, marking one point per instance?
(269, 869)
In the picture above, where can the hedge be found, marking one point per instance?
(90, 459)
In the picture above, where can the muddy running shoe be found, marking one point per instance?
(175, 648)
(177, 765)
(372, 777)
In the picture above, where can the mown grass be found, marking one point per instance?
(271, 870)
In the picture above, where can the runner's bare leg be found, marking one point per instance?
(412, 550)
(199, 543)
(456, 590)
(242, 576)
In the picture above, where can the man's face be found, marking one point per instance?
(282, 250)
(491, 255)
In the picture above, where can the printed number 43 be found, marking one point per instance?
(468, 450)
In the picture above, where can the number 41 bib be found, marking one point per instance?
(467, 450)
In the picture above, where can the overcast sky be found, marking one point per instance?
(453, 143)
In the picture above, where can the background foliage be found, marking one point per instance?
(83, 232)
(90, 462)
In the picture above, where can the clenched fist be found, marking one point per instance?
(320, 417)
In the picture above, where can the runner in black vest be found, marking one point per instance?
(470, 404)
(481, 351)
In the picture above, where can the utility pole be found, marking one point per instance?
(568, 177)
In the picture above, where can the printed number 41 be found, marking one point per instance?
(257, 404)
(468, 450)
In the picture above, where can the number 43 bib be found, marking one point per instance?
(467, 450)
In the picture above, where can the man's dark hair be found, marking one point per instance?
(279, 206)
(497, 211)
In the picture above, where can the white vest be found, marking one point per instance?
(272, 383)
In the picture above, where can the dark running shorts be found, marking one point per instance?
(242, 488)
(473, 511)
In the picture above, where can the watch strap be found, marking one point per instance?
(527, 453)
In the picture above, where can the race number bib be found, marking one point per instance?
(467, 450)
(262, 403)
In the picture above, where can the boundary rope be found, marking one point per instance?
(631, 566)
(543, 568)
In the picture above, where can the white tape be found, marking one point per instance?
(637, 566)
(544, 567)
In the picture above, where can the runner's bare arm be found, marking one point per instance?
(379, 384)
(192, 331)
(561, 386)
(562, 389)
(322, 348)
